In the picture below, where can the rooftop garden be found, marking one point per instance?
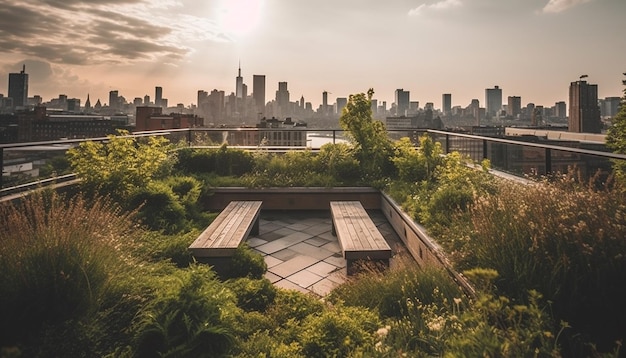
(105, 270)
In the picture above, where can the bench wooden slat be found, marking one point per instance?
(358, 236)
(222, 237)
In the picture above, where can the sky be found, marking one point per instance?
(530, 48)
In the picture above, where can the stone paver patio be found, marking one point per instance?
(302, 254)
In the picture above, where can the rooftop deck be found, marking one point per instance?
(302, 254)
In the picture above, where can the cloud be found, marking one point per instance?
(80, 32)
(441, 5)
(556, 6)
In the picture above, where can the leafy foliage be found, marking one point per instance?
(253, 294)
(122, 165)
(188, 319)
(616, 139)
(223, 161)
(372, 146)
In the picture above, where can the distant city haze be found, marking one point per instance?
(532, 49)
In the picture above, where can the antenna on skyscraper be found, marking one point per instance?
(583, 76)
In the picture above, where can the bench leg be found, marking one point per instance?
(333, 231)
(255, 227)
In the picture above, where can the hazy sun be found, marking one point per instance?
(239, 17)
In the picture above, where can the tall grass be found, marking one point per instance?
(58, 256)
(563, 239)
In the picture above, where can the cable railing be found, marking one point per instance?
(24, 165)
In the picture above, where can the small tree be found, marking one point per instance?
(616, 138)
(373, 149)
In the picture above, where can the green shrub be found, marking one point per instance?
(253, 294)
(160, 208)
(157, 247)
(293, 305)
(188, 318)
(394, 287)
(223, 161)
(338, 331)
(338, 161)
(122, 165)
(246, 263)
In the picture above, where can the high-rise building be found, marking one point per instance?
(446, 104)
(609, 106)
(239, 84)
(258, 93)
(493, 101)
(402, 102)
(114, 99)
(340, 104)
(158, 96)
(584, 112)
(560, 109)
(282, 97)
(514, 106)
(18, 87)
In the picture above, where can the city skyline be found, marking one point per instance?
(533, 49)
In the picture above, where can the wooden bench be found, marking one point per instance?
(222, 237)
(358, 236)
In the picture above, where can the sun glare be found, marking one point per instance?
(239, 17)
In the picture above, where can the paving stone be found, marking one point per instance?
(327, 235)
(266, 226)
(285, 254)
(293, 265)
(304, 278)
(273, 246)
(317, 229)
(296, 237)
(311, 251)
(298, 226)
(270, 236)
(288, 285)
(323, 287)
(337, 261)
(338, 277)
(332, 246)
(285, 231)
(272, 278)
(272, 261)
(316, 241)
(255, 241)
(321, 268)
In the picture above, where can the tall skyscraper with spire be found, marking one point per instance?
(18, 88)
(239, 84)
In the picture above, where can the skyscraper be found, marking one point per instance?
(402, 102)
(114, 99)
(584, 113)
(514, 106)
(446, 104)
(18, 87)
(239, 84)
(493, 101)
(258, 93)
(158, 96)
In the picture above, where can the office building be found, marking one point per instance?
(340, 105)
(258, 93)
(402, 102)
(584, 112)
(239, 85)
(446, 104)
(493, 101)
(560, 110)
(114, 99)
(18, 88)
(158, 96)
(514, 106)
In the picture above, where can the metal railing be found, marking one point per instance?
(516, 157)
